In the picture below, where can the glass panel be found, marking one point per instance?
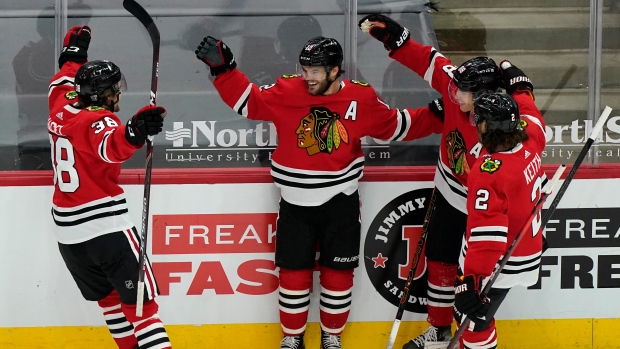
(548, 39)
(609, 149)
(399, 86)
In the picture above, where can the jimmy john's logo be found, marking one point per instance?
(71, 95)
(392, 242)
(490, 165)
(321, 131)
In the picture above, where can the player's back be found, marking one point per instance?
(87, 199)
(504, 188)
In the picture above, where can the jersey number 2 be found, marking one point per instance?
(63, 158)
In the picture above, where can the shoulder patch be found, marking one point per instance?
(361, 83)
(289, 76)
(95, 108)
(490, 165)
(523, 123)
(71, 95)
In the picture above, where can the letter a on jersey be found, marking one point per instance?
(351, 111)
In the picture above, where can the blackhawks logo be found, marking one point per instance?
(523, 124)
(321, 131)
(94, 108)
(456, 153)
(490, 165)
(361, 83)
(71, 95)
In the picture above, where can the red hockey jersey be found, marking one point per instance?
(504, 187)
(319, 152)
(459, 145)
(88, 146)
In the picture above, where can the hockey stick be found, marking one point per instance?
(502, 262)
(140, 13)
(584, 151)
(414, 264)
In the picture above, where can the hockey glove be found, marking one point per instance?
(216, 55)
(75, 45)
(468, 300)
(436, 106)
(384, 29)
(514, 79)
(148, 121)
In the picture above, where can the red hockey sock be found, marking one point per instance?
(335, 305)
(294, 299)
(120, 329)
(440, 293)
(485, 339)
(149, 330)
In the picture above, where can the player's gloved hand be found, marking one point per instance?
(75, 45)
(436, 106)
(386, 30)
(468, 300)
(513, 78)
(216, 55)
(148, 121)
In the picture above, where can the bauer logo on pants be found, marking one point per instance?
(390, 245)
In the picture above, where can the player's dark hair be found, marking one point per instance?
(494, 141)
(501, 113)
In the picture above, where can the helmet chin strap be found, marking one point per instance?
(330, 82)
(113, 103)
(327, 86)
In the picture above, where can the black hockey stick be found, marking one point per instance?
(584, 151)
(140, 13)
(502, 262)
(414, 264)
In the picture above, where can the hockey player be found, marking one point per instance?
(504, 186)
(96, 237)
(320, 120)
(459, 149)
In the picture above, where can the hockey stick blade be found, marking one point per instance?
(502, 262)
(140, 13)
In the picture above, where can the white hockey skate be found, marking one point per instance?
(432, 338)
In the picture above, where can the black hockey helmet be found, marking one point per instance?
(499, 110)
(94, 78)
(321, 51)
(477, 74)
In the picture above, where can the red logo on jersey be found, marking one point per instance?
(456, 153)
(321, 131)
